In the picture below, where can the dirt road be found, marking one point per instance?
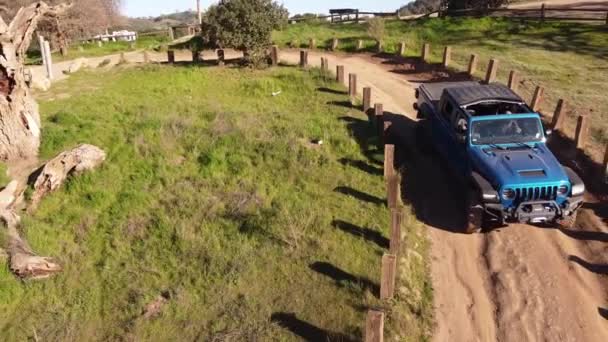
(521, 283)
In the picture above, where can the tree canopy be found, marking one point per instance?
(245, 25)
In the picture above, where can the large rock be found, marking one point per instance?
(43, 83)
(76, 65)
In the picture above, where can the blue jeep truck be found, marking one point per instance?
(496, 145)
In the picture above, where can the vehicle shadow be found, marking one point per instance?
(603, 312)
(343, 278)
(601, 269)
(305, 330)
(427, 184)
(365, 233)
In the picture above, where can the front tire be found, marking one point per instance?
(568, 222)
(475, 213)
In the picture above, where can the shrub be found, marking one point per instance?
(376, 29)
(244, 25)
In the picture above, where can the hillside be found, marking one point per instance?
(161, 22)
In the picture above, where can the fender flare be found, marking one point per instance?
(575, 180)
(486, 191)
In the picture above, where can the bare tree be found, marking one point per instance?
(84, 18)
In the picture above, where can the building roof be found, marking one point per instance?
(343, 10)
(470, 94)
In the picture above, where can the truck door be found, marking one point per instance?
(443, 129)
(458, 154)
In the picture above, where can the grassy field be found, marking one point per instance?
(93, 50)
(213, 197)
(569, 59)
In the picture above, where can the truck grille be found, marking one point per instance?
(542, 193)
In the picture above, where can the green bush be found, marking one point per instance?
(245, 25)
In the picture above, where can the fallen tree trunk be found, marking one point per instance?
(54, 173)
(23, 261)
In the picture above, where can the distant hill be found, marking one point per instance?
(420, 7)
(162, 22)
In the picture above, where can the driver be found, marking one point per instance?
(512, 128)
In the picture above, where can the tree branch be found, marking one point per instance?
(21, 29)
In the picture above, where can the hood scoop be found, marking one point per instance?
(532, 173)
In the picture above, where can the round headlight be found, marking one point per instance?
(562, 190)
(508, 194)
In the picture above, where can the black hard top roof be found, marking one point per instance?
(472, 93)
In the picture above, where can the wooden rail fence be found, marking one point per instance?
(541, 13)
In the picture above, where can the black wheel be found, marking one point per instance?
(475, 214)
(568, 222)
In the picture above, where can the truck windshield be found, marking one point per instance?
(506, 131)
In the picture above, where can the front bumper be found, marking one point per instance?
(535, 212)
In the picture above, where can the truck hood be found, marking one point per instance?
(519, 166)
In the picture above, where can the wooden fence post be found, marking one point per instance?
(122, 59)
(146, 57)
(303, 59)
(538, 96)
(447, 56)
(605, 169)
(340, 74)
(389, 161)
(171, 56)
(472, 64)
(49, 60)
(542, 13)
(274, 55)
(558, 115)
(221, 57)
(379, 114)
(491, 74)
(395, 244)
(334, 44)
(359, 44)
(426, 50)
(312, 44)
(374, 326)
(171, 34)
(387, 283)
(367, 99)
(392, 189)
(352, 85)
(401, 51)
(582, 128)
(513, 79)
(323, 65)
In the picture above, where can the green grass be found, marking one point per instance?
(212, 193)
(93, 50)
(569, 59)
